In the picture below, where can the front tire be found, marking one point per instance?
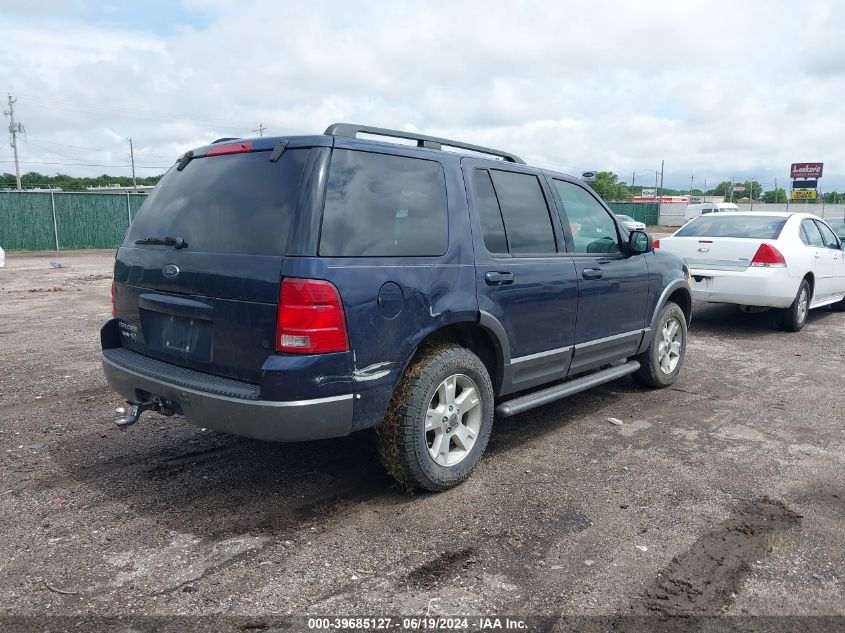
(661, 363)
(439, 419)
(795, 316)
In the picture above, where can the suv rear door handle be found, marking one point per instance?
(591, 273)
(495, 278)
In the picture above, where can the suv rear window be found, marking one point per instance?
(764, 227)
(231, 204)
(379, 205)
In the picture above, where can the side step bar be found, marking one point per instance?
(544, 396)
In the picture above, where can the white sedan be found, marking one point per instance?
(630, 223)
(792, 261)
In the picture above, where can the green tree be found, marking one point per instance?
(607, 185)
(776, 195)
(33, 179)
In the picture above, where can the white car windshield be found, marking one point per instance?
(626, 218)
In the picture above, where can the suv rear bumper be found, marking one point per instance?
(226, 405)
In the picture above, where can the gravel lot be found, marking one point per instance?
(724, 494)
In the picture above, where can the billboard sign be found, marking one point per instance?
(588, 176)
(804, 184)
(806, 170)
(738, 189)
(804, 194)
(647, 193)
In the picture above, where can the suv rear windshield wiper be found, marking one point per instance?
(177, 242)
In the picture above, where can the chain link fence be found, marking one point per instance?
(41, 221)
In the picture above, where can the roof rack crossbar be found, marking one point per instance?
(351, 130)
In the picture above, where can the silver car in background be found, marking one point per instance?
(630, 223)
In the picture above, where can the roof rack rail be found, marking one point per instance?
(351, 130)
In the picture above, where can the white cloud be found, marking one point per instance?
(717, 88)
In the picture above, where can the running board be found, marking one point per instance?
(544, 396)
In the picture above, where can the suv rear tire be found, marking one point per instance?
(661, 362)
(439, 419)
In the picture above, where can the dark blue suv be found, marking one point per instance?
(308, 287)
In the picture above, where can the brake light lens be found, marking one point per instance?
(310, 318)
(113, 307)
(656, 243)
(767, 256)
(230, 148)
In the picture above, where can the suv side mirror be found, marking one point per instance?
(640, 242)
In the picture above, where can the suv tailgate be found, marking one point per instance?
(212, 304)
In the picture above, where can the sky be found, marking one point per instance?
(716, 89)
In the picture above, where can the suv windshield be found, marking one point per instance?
(235, 204)
(764, 227)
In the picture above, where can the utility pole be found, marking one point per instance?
(260, 129)
(14, 130)
(691, 180)
(660, 197)
(132, 157)
(704, 195)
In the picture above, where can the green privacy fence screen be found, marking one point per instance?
(642, 212)
(38, 221)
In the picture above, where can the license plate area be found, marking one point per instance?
(177, 337)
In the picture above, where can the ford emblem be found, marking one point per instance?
(171, 271)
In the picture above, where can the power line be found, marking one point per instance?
(90, 149)
(55, 102)
(52, 151)
(39, 162)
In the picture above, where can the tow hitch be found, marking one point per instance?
(128, 419)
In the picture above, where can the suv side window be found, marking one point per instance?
(592, 228)
(492, 224)
(528, 224)
(829, 237)
(380, 205)
(810, 234)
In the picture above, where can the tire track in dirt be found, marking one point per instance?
(702, 579)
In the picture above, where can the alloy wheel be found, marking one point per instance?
(453, 420)
(669, 349)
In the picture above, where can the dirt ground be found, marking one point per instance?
(724, 494)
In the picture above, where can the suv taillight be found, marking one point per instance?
(310, 318)
(767, 256)
(113, 308)
(656, 243)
